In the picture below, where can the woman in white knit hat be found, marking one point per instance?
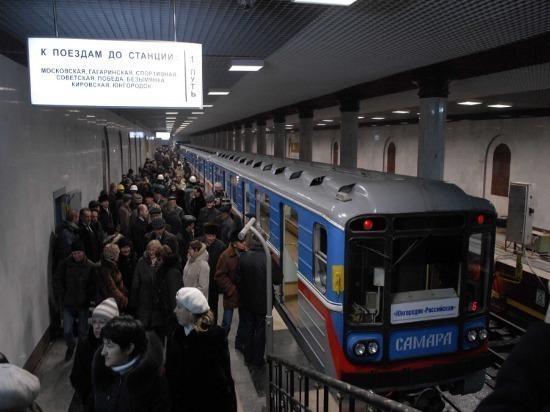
(81, 374)
(197, 361)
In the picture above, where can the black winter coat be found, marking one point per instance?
(199, 372)
(145, 296)
(74, 284)
(142, 389)
(523, 381)
(81, 374)
(251, 280)
(170, 278)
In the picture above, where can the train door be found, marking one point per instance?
(289, 257)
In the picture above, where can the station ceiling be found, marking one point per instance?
(319, 56)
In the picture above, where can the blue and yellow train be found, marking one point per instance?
(386, 277)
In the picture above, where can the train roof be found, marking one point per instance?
(341, 193)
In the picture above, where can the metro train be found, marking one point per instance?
(386, 277)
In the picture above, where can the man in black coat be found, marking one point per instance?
(74, 285)
(215, 247)
(160, 233)
(251, 281)
(138, 230)
(92, 245)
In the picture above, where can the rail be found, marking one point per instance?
(299, 389)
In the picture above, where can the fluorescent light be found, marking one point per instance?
(470, 102)
(246, 65)
(289, 125)
(170, 118)
(378, 118)
(499, 105)
(328, 120)
(360, 117)
(207, 105)
(197, 112)
(218, 92)
(401, 111)
(171, 112)
(327, 2)
(321, 124)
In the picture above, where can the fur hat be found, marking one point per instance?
(102, 198)
(78, 246)
(111, 252)
(124, 242)
(211, 229)
(193, 300)
(209, 198)
(234, 236)
(18, 388)
(158, 223)
(138, 198)
(107, 309)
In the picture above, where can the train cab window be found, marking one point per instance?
(320, 256)
(478, 272)
(425, 263)
(262, 211)
(365, 281)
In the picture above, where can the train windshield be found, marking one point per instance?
(421, 275)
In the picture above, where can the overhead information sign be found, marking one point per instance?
(108, 73)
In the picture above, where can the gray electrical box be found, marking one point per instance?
(521, 209)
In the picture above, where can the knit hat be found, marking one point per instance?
(107, 309)
(18, 388)
(193, 300)
(78, 246)
(111, 251)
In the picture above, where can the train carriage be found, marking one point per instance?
(386, 277)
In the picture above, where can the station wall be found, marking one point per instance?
(43, 150)
(469, 149)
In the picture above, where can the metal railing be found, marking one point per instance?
(294, 388)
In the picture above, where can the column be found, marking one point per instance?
(248, 137)
(238, 137)
(306, 133)
(433, 91)
(279, 135)
(349, 108)
(260, 141)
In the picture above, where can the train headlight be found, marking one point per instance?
(359, 349)
(372, 348)
(472, 335)
(482, 334)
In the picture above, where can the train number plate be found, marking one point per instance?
(413, 343)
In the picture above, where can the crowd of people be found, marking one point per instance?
(153, 258)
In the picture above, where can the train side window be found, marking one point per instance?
(234, 187)
(262, 211)
(479, 268)
(320, 256)
(365, 279)
(246, 188)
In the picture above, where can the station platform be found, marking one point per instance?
(58, 395)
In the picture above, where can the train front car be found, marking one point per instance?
(417, 284)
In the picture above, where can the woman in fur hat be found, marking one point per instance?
(145, 297)
(110, 283)
(127, 373)
(196, 272)
(197, 361)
